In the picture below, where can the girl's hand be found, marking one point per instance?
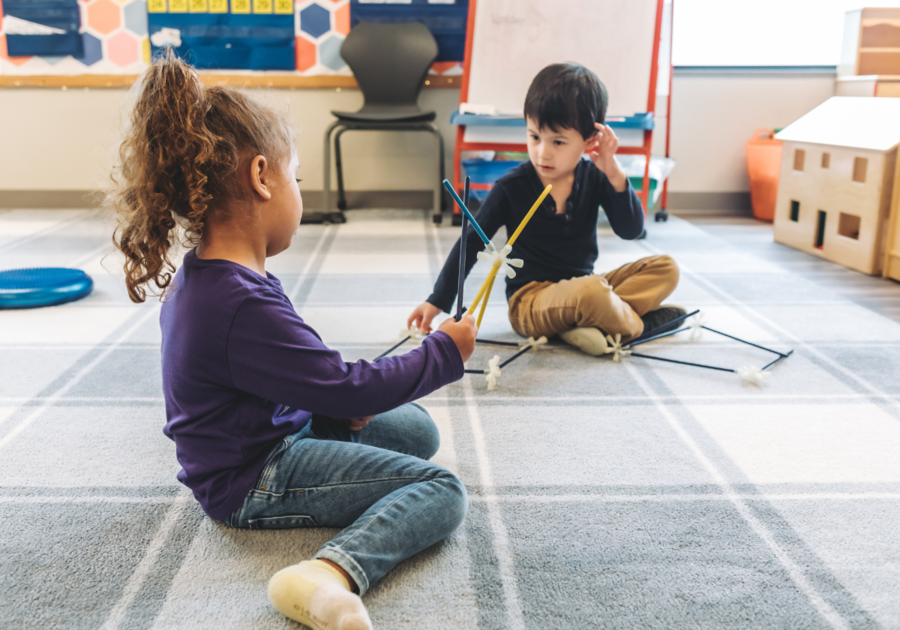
(603, 153)
(423, 316)
(462, 333)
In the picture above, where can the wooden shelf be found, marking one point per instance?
(278, 81)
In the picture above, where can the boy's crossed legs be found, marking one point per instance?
(614, 302)
(390, 500)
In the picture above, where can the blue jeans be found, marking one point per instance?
(391, 502)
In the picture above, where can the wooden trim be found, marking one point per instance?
(280, 81)
(891, 238)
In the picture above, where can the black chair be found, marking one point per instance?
(390, 63)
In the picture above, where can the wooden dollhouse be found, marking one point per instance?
(836, 192)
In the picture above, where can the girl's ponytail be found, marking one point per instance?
(181, 147)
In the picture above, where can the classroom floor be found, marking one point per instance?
(616, 495)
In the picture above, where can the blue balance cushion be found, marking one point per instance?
(30, 288)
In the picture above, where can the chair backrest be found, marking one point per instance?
(390, 61)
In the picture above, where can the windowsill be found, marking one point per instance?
(757, 70)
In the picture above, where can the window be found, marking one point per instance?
(795, 210)
(762, 32)
(799, 158)
(826, 160)
(848, 225)
(820, 230)
(859, 169)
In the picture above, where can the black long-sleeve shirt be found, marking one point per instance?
(552, 246)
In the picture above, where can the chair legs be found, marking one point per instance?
(342, 199)
(342, 126)
(326, 214)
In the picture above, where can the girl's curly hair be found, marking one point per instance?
(181, 149)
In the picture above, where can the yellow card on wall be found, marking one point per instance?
(198, 6)
(156, 6)
(240, 6)
(284, 6)
(218, 6)
(262, 6)
(178, 6)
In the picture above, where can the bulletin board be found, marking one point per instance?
(115, 41)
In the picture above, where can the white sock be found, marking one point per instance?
(316, 594)
(589, 340)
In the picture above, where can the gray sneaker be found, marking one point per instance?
(591, 341)
(655, 321)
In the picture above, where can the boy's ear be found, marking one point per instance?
(260, 177)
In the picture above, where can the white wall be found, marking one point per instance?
(61, 140)
(715, 113)
(52, 139)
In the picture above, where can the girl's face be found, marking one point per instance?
(285, 210)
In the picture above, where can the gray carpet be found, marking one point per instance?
(631, 495)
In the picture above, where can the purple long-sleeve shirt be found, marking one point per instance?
(235, 355)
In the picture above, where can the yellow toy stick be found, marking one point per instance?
(487, 294)
(483, 288)
(529, 215)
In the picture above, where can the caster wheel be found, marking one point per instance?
(642, 236)
(457, 220)
(338, 217)
(438, 219)
(341, 204)
(661, 216)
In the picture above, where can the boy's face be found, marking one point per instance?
(554, 154)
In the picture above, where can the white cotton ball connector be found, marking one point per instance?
(493, 372)
(493, 255)
(614, 347)
(753, 376)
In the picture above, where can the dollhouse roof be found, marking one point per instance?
(859, 122)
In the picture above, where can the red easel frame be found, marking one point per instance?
(645, 149)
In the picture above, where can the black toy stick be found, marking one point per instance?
(511, 344)
(700, 365)
(460, 309)
(387, 352)
(781, 357)
(749, 343)
(514, 357)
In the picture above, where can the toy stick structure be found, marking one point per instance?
(485, 290)
(465, 209)
(462, 257)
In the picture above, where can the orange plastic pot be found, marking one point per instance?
(763, 166)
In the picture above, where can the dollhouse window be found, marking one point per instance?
(848, 225)
(799, 158)
(826, 160)
(795, 210)
(859, 169)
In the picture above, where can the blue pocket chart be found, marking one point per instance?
(42, 27)
(446, 19)
(226, 34)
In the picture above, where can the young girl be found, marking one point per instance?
(272, 429)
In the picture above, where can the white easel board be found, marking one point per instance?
(514, 39)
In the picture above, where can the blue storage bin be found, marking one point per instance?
(486, 172)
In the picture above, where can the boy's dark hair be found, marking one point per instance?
(567, 95)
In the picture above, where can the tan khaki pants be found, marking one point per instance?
(612, 302)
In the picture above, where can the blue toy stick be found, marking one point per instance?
(462, 206)
(462, 257)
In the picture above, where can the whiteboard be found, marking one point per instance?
(514, 39)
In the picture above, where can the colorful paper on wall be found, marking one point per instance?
(42, 27)
(209, 36)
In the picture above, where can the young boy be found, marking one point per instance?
(557, 292)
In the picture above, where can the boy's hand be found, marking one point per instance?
(355, 424)
(603, 156)
(422, 316)
(462, 333)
